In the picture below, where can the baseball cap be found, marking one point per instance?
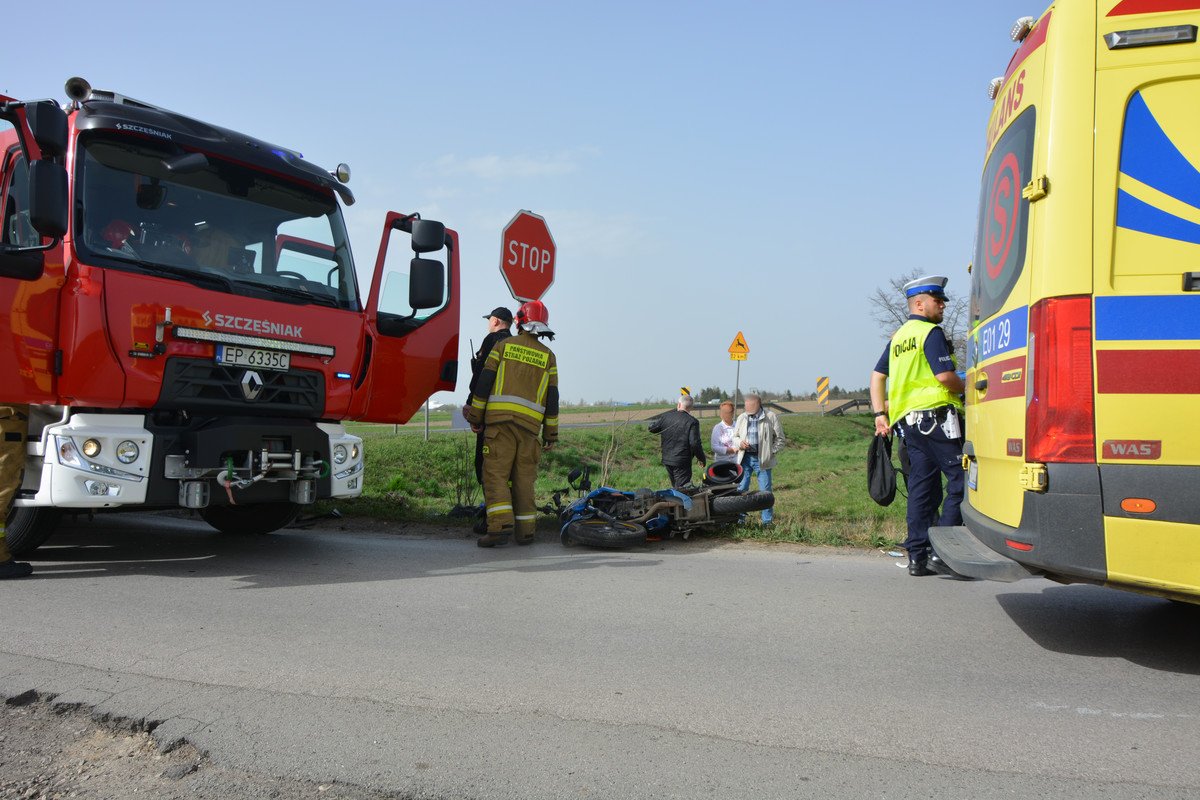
(500, 312)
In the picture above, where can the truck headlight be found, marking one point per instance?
(339, 454)
(128, 452)
(91, 448)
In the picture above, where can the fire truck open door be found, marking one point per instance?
(33, 218)
(411, 346)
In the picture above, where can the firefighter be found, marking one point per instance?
(515, 399)
(13, 424)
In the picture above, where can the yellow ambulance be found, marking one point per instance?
(1083, 376)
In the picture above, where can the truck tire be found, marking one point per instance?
(602, 533)
(251, 520)
(742, 503)
(27, 529)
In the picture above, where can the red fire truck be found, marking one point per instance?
(182, 315)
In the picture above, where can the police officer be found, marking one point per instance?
(499, 323)
(923, 404)
(515, 399)
(13, 424)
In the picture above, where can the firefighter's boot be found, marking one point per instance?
(8, 567)
(493, 538)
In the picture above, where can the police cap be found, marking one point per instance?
(927, 284)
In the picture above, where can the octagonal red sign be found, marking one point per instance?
(527, 256)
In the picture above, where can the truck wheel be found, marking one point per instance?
(742, 503)
(251, 520)
(29, 528)
(602, 533)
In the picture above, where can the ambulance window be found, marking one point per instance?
(1003, 219)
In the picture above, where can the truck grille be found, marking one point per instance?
(200, 385)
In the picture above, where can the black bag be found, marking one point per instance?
(881, 475)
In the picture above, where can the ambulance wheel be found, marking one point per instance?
(27, 529)
(602, 533)
(251, 520)
(742, 503)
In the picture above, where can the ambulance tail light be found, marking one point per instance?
(1060, 419)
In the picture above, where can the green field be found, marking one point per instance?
(820, 480)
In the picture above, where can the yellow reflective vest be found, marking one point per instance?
(911, 382)
(519, 384)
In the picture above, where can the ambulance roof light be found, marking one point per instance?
(1171, 34)
(1021, 28)
(994, 87)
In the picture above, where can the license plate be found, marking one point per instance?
(235, 356)
(973, 475)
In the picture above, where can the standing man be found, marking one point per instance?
(680, 433)
(515, 399)
(14, 421)
(758, 436)
(721, 439)
(498, 324)
(923, 404)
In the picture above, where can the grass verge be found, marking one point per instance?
(819, 482)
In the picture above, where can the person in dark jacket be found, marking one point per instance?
(499, 323)
(680, 433)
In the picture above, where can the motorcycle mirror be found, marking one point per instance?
(573, 475)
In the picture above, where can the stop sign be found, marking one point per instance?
(527, 256)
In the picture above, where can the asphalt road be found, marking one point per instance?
(428, 667)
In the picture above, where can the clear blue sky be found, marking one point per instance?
(704, 167)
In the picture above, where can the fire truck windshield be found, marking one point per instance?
(142, 207)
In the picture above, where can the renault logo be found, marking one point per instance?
(252, 385)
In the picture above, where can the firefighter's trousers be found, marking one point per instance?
(14, 424)
(510, 456)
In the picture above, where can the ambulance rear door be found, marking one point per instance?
(1147, 304)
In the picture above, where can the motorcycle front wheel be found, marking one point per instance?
(597, 532)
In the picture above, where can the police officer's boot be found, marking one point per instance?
(494, 538)
(941, 567)
(919, 567)
(8, 567)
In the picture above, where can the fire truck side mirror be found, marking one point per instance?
(48, 198)
(426, 283)
(428, 236)
(48, 124)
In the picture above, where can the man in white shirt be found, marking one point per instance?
(721, 440)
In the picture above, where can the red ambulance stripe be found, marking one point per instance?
(1127, 7)
(1148, 371)
(998, 388)
(1035, 39)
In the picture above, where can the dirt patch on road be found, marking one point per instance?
(49, 752)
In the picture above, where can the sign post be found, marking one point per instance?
(527, 256)
(738, 350)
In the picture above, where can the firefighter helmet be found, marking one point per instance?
(534, 317)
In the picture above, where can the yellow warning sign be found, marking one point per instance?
(739, 345)
(823, 390)
(737, 356)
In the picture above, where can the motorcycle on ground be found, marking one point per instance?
(607, 517)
